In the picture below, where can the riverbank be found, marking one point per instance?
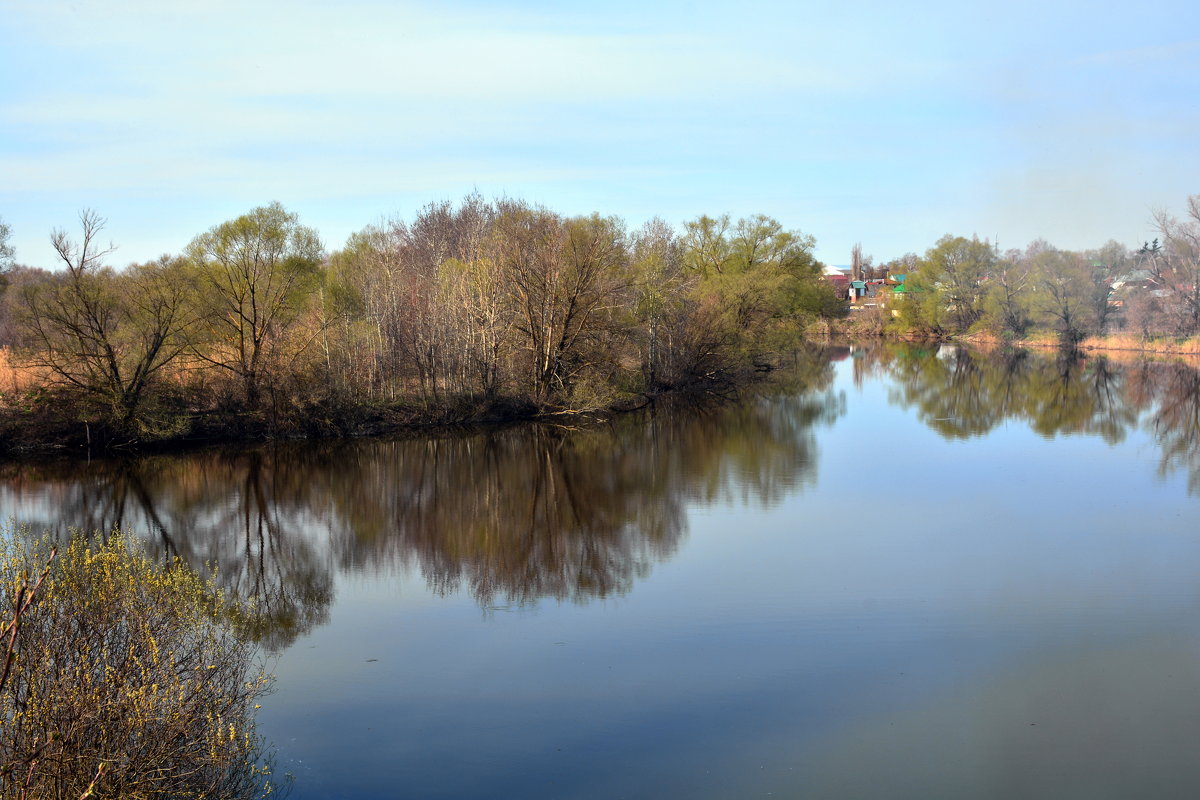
(33, 424)
(38, 421)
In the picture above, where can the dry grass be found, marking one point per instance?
(16, 378)
(1170, 346)
(1043, 339)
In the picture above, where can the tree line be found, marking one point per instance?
(964, 285)
(468, 309)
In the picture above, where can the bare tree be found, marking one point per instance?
(6, 249)
(563, 277)
(659, 288)
(105, 333)
(1175, 265)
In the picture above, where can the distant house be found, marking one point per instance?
(839, 278)
(836, 273)
(1134, 282)
(1134, 279)
(895, 291)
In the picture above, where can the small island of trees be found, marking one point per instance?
(475, 310)
(496, 310)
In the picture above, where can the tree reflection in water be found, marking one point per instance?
(230, 510)
(538, 511)
(962, 393)
(1175, 421)
(511, 515)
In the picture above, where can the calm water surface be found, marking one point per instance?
(909, 573)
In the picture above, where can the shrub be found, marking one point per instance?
(127, 680)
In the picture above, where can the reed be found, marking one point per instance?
(15, 377)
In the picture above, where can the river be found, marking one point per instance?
(902, 572)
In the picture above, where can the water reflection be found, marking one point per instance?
(1175, 422)
(571, 515)
(237, 511)
(511, 516)
(963, 393)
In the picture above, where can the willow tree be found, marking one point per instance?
(256, 276)
(1007, 302)
(758, 277)
(1065, 294)
(124, 677)
(947, 292)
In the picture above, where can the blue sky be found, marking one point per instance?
(883, 123)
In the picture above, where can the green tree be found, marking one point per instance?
(1065, 294)
(777, 260)
(949, 285)
(256, 276)
(760, 279)
(1007, 302)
